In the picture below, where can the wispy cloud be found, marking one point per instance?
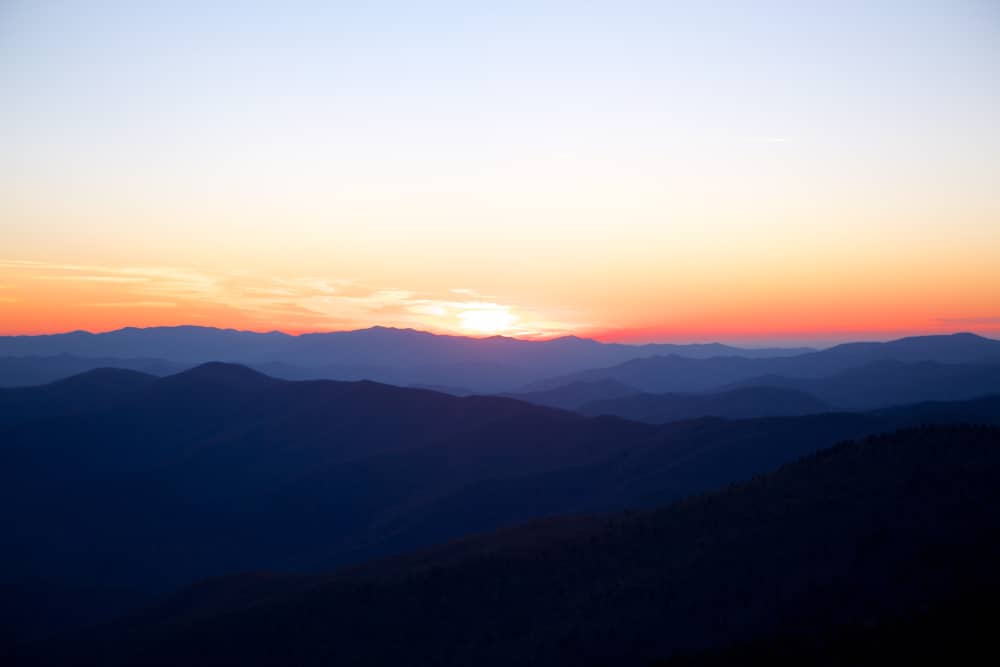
(969, 320)
(130, 304)
(295, 303)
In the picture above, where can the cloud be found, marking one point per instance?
(969, 320)
(292, 303)
(96, 279)
(130, 304)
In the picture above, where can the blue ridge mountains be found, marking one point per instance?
(848, 376)
(121, 481)
(832, 557)
(395, 356)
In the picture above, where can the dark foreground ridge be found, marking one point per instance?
(216, 470)
(845, 542)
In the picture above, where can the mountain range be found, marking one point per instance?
(140, 473)
(556, 372)
(120, 487)
(675, 373)
(741, 403)
(395, 356)
(847, 542)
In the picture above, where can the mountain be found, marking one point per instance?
(883, 383)
(673, 373)
(87, 392)
(36, 370)
(395, 356)
(743, 403)
(373, 346)
(221, 469)
(576, 394)
(849, 539)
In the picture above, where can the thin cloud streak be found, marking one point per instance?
(969, 320)
(293, 303)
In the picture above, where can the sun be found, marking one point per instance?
(487, 318)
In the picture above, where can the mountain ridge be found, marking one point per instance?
(778, 551)
(737, 403)
(674, 373)
(397, 356)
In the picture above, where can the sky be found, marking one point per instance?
(636, 171)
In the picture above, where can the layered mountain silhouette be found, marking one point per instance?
(577, 394)
(742, 403)
(36, 370)
(676, 373)
(884, 383)
(849, 542)
(87, 392)
(460, 365)
(374, 346)
(158, 482)
(394, 356)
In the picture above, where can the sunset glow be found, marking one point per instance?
(489, 318)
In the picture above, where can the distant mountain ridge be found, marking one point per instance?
(742, 403)
(375, 345)
(101, 388)
(40, 369)
(888, 382)
(394, 356)
(576, 394)
(673, 373)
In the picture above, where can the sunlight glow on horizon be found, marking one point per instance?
(487, 318)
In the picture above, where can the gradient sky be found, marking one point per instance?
(790, 171)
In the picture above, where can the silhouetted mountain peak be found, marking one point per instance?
(105, 377)
(217, 373)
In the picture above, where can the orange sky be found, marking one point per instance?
(776, 305)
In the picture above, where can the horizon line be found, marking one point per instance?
(777, 340)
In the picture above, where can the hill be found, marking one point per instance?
(673, 373)
(394, 356)
(222, 469)
(576, 394)
(743, 403)
(884, 383)
(90, 391)
(846, 539)
(37, 370)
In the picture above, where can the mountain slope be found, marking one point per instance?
(576, 394)
(742, 403)
(884, 383)
(853, 535)
(221, 469)
(37, 370)
(376, 345)
(394, 356)
(673, 373)
(93, 390)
